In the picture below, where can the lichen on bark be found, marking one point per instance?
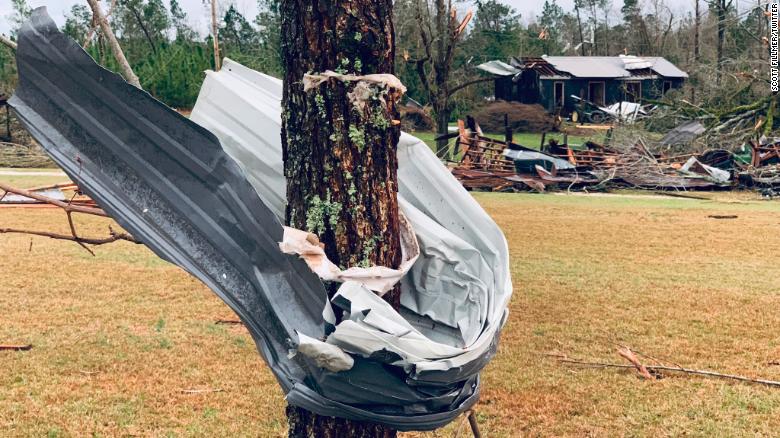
(339, 149)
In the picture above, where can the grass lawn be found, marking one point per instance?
(118, 336)
(28, 178)
(527, 139)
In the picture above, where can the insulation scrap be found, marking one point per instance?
(325, 355)
(380, 279)
(365, 88)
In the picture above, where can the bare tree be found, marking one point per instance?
(721, 8)
(439, 31)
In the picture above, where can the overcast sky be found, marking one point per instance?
(198, 12)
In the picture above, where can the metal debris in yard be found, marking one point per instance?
(207, 194)
(684, 133)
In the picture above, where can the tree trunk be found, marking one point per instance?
(340, 150)
(697, 23)
(143, 27)
(696, 49)
(579, 26)
(442, 128)
(215, 35)
(721, 6)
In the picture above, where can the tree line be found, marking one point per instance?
(440, 42)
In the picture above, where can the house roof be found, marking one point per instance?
(622, 66)
(613, 66)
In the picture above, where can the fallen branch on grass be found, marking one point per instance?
(629, 355)
(228, 322)
(27, 347)
(677, 369)
(201, 391)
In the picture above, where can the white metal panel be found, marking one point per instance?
(459, 286)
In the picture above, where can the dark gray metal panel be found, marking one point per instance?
(168, 181)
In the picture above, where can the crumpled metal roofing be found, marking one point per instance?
(168, 181)
(499, 68)
(684, 133)
(459, 286)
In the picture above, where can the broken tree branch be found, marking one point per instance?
(127, 71)
(95, 25)
(629, 355)
(69, 209)
(7, 42)
(201, 391)
(677, 369)
(459, 87)
(27, 347)
(113, 236)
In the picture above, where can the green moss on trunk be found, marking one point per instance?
(340, 158)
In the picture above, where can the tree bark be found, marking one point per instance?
(696, 25)
(442, 128)
(579, 26)
(340, 150)
(722, 9)
(11, 45)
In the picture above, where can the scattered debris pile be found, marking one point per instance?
(17, 147)
(764, 169)
(501, 165)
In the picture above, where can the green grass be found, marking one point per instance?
(118, 336)
(527, 139)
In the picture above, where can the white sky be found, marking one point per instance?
(199, 15)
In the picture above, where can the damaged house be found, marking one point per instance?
(552, 81)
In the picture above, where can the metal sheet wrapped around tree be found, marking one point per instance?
(168, 181)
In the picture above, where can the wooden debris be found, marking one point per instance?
(485, 164)
(228, 322)
(629, 355)
(646, 371)
(70, 207)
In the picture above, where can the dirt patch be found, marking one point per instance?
(414, 118)
(522, 117)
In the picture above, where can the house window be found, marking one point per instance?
(558, 94)
(633, 91)
(667, 86)
(596, 93)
